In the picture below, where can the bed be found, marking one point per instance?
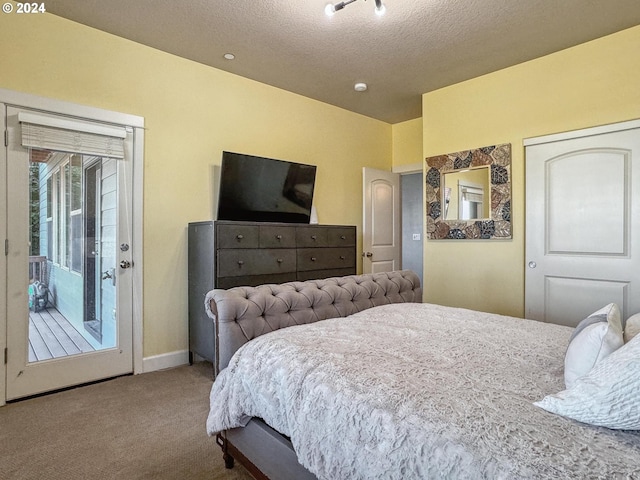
(355, 378)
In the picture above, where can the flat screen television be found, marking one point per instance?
(262, 189)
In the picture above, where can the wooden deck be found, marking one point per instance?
(52, 336)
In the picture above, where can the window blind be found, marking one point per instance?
(69, 135)
(471, 194)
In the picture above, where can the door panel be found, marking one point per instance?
(561, 294)
(583, 246)
(381, 222)
(580, 185)
(47, 218)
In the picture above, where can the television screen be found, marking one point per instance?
(264, 190)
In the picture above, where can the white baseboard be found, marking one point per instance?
(165, 360)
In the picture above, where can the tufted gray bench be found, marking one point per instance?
(240, 314)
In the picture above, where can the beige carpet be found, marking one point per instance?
(149, 426)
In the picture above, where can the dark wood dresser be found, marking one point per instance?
(225, 254)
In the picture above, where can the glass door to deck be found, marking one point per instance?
(69, 305)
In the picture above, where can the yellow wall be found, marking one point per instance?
(592, 84)
(192, 113)
(407, 143)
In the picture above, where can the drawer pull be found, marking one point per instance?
(279, 237)
(239, 236)
(240, 262)
(280, 260)
(313, 259)
(343, 237)
(341, 257)
(313, 237)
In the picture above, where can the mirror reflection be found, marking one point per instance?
(467, 194)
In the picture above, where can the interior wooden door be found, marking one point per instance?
(381, 222)
(583, 223)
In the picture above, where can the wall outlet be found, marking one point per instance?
(416, 236)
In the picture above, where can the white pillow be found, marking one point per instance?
(632, 327)
(608, 396)
(594, 339)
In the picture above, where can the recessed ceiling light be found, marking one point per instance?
(360, 87)
(229, 56)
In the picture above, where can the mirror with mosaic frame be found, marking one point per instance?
(452, 178)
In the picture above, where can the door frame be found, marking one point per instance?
(3, 260)
(584, 132)
(410, 169)
(136, 124)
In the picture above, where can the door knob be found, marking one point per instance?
(125, 264)
(532, 264)
(367, 254)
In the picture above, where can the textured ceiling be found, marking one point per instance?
(416, 47)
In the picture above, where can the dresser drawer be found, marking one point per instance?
(251, 253)
(237, 236)
(341, 236)
(331, 272)
(234, 262)
(277, 236)
(325, 258)
(311, 237)
(255, 280)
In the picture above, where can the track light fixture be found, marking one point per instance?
(331, 8)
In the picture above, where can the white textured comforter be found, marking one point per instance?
(419, 391)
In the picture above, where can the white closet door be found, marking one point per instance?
(583, 223)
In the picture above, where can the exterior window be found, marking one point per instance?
(58, 219)
(64, 214)
(66, 208)
(34, 209)
(75, 224)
